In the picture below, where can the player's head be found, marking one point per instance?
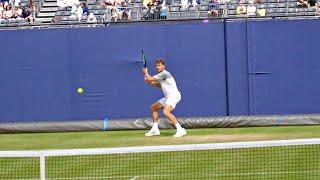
(160, 65)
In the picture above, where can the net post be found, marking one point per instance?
(42, 167)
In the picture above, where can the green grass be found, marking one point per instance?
(40, 141)
(292, 163)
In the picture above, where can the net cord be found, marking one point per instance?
(164, 148)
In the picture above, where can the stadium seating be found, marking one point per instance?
(48, 9)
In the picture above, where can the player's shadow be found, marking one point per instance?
(167, 133)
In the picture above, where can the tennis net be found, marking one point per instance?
(281, 159)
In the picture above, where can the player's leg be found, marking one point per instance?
(155, 119)
(169, 106)
(154, 113)
(167, 112)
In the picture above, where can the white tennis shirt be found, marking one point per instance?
(168, 84)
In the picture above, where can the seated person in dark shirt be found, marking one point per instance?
(85, 9)
(307, 3)
(213, 7)
(313, 3)
(26, 14)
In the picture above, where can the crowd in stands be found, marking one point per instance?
(79, 10)
(250, 7)
(117, 9)
(12, 10)
(249, 10)
(120, 10)
(158, 9)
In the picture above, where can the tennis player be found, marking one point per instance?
(166, 82)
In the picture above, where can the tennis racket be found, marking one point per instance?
(144, 60)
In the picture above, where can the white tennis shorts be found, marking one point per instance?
(170, 100)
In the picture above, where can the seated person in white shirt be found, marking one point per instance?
(251, 9)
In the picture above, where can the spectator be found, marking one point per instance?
(241, 9)
(91, 18)
(1, 8)
(33, 5)
(108, 3)
(27, 15)
(313, 3)
(5, 3)
(193, 3)
(7, 13)
(124, 11)
(302, 3)
(213, 7)
(184, 4)
(85, 9)
(111, 10)
(1, 11)
(307, 3)
(148, 3)
(17, 13)
(56, 20)
(251, 9)
(149, 8)
(261, 11)
(76, 12)
(164, 10)
(224, 4)
(114, 14)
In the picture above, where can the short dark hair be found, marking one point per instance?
(160, 61)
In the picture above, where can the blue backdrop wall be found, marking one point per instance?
(222, 68)
(39, 82)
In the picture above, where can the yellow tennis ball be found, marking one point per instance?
(80, 90)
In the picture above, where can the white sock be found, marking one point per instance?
(178, 127)
(155, 125)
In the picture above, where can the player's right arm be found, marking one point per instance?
(150, 80)
(147, 77)
(155, 84)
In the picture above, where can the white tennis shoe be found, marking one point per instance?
(153, 132)
(180, 133)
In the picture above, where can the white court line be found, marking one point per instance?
(164, 148)
(265, 173)
(26, 179)
(114, 177)
(168, 175)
